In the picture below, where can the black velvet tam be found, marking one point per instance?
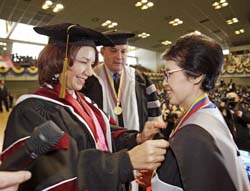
(78, 35)
(120, 38)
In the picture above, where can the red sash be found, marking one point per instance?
(82, 108)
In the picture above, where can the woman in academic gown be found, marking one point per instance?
(202, 155)
(82, 160)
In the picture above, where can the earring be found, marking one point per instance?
(55, 78)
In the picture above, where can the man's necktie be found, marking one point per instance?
(116, 78)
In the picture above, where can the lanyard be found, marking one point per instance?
(116, 97)
(200, 102)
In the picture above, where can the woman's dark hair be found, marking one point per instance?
(198, 54)
(50, 62)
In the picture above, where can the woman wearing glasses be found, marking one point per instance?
(202, 153)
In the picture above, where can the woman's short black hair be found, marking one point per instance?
(198, 54)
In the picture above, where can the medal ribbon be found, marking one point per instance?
(117, 98)
(200, 102)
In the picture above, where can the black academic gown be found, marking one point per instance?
(75, 165)
(202, 157)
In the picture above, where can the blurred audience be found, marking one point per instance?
(23, 61)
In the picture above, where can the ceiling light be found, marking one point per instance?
(240, 31)
(106, 23)
(235, 20)
(224, 4)
(58, 8)
(138, 4)
(109, 24)
(143, 35)
(176, 22)
(166, 42)
(219, 5)
(150, 4)
(3, 44)
(197, 32)
(47, 4)
(237, 32)
(144, 4)
(144, 7)
(215, 4)
(232, 21)
(112, 25)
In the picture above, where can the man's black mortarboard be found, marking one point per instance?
(66, 34)
(120, 38)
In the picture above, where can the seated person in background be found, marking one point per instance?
(202, 155)
(83, 159)
(3, 96)
(240, 120)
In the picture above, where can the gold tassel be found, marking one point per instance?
(63, 79)
(7, 26)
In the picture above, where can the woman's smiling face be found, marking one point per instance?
(177, 84)
(81, 68)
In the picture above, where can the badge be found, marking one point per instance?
(118, 110)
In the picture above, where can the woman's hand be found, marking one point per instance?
(150, 129)
(148, 155)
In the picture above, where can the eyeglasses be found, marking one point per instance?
(167, 73)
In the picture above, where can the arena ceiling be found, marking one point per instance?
(195, 14)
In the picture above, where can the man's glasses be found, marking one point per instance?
(168, 73)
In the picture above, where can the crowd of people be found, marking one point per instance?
(23, 61)
(117, 135)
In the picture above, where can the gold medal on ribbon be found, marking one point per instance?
(117, 96)
(118, 110)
